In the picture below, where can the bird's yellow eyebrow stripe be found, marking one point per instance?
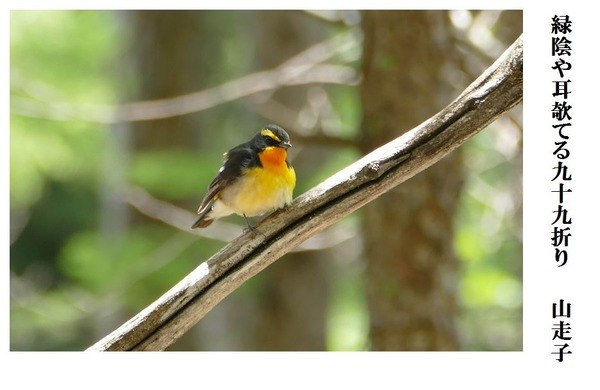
(270, 134)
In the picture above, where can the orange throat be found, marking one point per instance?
(273, 159)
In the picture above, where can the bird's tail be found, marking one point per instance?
(204, 219)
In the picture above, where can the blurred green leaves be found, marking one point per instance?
(42, 151)
(166, 173)
(66, 48)
(488, 240)
(49, 49)
(95, 261)
(348, 319)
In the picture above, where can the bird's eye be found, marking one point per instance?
(270, 141)
(270, 138)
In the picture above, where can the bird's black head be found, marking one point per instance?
(272, 135)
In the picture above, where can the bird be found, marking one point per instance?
(255, 178)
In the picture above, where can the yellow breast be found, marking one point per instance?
(266, 188)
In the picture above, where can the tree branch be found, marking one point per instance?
(498, 89)
(304, 68)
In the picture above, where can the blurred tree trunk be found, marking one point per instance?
(411, 266)
(167, 61)
(509, 26)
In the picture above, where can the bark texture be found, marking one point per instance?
(411, 266)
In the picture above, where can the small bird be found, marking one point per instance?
(255, 178)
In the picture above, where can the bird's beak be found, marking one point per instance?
(286, 145)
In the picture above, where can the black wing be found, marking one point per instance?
(236, 160)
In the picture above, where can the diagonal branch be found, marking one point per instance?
(498, 89)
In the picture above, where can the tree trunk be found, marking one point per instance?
(168, 61)
(411, 266)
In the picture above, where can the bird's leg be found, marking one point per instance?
(251, 228)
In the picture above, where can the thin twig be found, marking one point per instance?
(305, 68)
(181, 219)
